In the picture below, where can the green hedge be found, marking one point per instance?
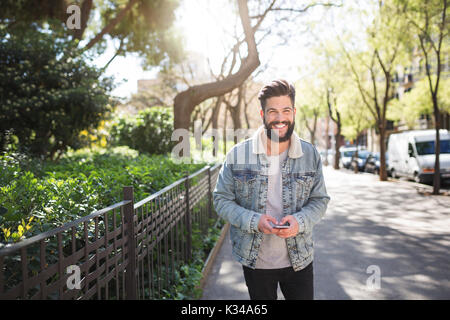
(150, 131)
(52, 193)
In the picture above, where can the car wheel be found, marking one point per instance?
(394, 174)
(417, 178)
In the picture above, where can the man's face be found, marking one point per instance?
(278, 118)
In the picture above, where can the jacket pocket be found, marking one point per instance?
(302, 184)
(244, 183)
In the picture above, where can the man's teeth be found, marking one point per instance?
(279, 125)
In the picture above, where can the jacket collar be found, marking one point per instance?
(259, 139)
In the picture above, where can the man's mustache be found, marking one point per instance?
(273, 123)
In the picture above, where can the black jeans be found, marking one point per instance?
(262, 284)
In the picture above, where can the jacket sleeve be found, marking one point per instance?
(225, 203)
(316, 205)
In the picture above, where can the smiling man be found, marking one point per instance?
(273, 199)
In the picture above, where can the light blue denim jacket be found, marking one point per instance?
(240, 196)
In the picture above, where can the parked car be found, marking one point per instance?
(346, 156)
(373, 163)
(359, 159)
(411, 154)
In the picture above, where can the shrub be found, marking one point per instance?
(80, 183)
(150, 131)
(48, 93)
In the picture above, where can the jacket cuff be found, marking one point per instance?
(301, 223)
(254, 221)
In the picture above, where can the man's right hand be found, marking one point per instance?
(264, 225)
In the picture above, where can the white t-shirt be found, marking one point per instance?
(273, 253)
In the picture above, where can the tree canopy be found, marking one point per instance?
(140, 26)
(48, 93)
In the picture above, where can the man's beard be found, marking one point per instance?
(276, 138)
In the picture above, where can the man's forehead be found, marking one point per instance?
(279, 102)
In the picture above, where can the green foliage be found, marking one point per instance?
(48, 93)
(188, 277)
(145, 28)
(150, 131)
(79, 184)
(418, 102)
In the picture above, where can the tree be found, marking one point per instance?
(417, 102)
(48, 93)
(185, 102)
(312, 106)
(430, 24)
(374, 68)
(141, 26)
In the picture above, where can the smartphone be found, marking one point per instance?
(278, 226)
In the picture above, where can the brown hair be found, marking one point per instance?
(276, 88)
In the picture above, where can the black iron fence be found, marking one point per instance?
(125, 251)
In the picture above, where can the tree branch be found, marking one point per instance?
(110, 26)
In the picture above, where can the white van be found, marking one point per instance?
(411, 154)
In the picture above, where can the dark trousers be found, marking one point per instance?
(262, 284)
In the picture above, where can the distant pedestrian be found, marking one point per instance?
(269, 180)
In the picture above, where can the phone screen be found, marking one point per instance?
(277, 226)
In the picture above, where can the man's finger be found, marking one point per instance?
(272, 219)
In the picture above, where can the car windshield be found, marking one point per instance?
(348, 153)
(363, 154)
(427, 147)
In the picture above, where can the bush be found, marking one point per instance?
(150, 131)
(80, 183)
(48, 93)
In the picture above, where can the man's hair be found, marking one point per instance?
(276, 88)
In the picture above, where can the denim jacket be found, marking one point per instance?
(240, 196)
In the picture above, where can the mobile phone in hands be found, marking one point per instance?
(278, 226)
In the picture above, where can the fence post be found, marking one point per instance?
(188, 222)
(209, 194)
(130, 272)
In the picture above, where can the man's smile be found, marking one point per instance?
(279, 126)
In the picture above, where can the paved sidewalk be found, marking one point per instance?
(369, 225)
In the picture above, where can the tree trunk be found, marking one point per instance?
(437, 150)
(111, 25)
(86, 8)
(383, 172)
(185, 102)
(337, 153)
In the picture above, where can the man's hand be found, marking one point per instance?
(289, 232)
(264, 225)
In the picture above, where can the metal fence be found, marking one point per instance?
(125, 251)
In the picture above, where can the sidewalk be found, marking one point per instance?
(369, 224)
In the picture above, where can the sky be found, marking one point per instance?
(201, 21)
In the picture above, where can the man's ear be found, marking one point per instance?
(261, 112)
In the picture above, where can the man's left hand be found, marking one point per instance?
(292, 231)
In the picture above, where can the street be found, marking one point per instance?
(378, 240)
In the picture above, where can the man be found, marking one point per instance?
(270, 180)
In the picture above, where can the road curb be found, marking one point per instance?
(422, 188)
(212, 256)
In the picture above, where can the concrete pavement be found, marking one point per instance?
(378, 240)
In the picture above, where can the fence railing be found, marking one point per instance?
(125, 251)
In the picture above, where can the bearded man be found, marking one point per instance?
(272, 192)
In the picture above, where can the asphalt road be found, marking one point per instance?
(378, 240)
